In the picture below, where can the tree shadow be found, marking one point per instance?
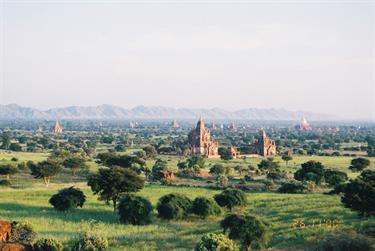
(18, 210)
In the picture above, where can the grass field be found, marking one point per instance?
(28, 201)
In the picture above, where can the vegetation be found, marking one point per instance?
(252, 232)
(310, 171)
(135, 210)
(8, 170)
(173, 206)
(45, 170)
(359, 194)
(358, 164)
(216, 242)
(111, 183)
(22, 233)
(86, 242)
(231, 198)
(68, 199)
(47, 244)
(205, 207)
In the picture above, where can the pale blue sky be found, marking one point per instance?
(296, 55)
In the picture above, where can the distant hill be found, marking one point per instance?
(13, 111)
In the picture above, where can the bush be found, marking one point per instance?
(333, 177)
(292, 187)
(358, 164)
(22, 233)
(230, 198)
(359, 194)
(68, 199)
(47, 245)
(86, 242)
(135, 210)
(345, 242)
(14, 159)
(310, 171)
(5, 183)
(251, 231)
(205, 207)
(216, 242)
(173, 206)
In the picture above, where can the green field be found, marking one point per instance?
(28, 201)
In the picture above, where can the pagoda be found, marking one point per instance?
(57, 128)
(201, 143)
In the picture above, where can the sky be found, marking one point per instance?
(315, 56)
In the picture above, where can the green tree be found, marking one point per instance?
(225, 153)
(358, 164)
(5, 141)
(216, 242)
(135, 210)
(310, 171)
(205, 207)
(333, 177)
(359, 194)
(267, 165)
(74, 164)
(286, 158)
(219, 169)
(231, 198)
(45, 170)
(251, 231)
(111, 183)
(8, 170)
(15, 147)
(150, 151)
(68, 199)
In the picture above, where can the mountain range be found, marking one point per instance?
(14, 111)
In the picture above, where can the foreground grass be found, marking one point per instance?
(281, 210)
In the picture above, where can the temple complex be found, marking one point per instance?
(57, 128)
(265, 146)
(200, 141)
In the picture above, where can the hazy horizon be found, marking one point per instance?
(298, 56)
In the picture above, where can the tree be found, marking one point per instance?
(120, 148)
(292, 187)
(15, 147)
(216, 242)
(74, 163)
(197, 162)
(173, 206)
(150, 151)
(159, 170)
(135, 210)
(8, 170)
(111, 183)
(128, 161)
(205, 207)
(358, 164)
(219, 169)
(286, 158)
(251, 231)
(5, 141)
(225, 153)
(22, 233)
(359, 194)
(333, 177)
(267, 165)
(68, 199)
(231, 198)
(45, 170)
(311, 171)
(241, 169)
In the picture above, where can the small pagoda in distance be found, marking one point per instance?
(57, 128)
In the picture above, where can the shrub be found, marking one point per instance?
(68, 199)
(22, 233)
(292, 187)
(310, 171)
(333, 177)
(216, 242)
(358, 164)
(219, 169)
(14, 159)
(135, 210)
(47, 245)
(359, 194)
(5, 183)
(251, 231)
(205, 207)
(230, 198)
(173, 206)
(345, 242)
(86, 242)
